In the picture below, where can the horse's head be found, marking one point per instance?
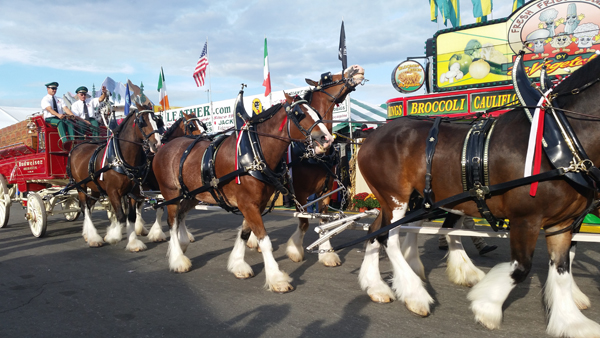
(193, 125)
(332, 89)
(307, 122)
(150, 126)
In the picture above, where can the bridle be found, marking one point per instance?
(141, 123)
(190, 125)
(326, 82)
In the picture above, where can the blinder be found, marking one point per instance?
(326, 78)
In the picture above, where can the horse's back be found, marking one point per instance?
(394, 154)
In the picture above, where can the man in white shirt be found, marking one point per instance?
(85, 108)
(56, 113)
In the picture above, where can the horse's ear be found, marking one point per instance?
(288, 98)
(139, 107)
(311, 82)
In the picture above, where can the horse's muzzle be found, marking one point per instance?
(322, 142)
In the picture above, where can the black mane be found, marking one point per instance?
(172, 129)
(124, 122)
(588, 73)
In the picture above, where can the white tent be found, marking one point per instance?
(12, 115)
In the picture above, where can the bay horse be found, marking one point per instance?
(279, 125)
(187, 125)
(141, 129)
(393, 162)
(314, 176)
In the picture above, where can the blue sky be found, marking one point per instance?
(81, 43)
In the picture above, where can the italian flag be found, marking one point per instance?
(162, 90)
(266, 73)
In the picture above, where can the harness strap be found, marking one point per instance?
(423, 213)
(432, 140)
(202, 189)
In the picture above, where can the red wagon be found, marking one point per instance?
(33, 164)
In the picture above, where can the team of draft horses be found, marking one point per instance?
(242, 169)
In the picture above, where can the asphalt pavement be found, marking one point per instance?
(57, 286)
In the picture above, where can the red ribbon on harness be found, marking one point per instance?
(283, 123)
(537, 158)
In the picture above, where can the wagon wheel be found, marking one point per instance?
(5, 202)
(71, 203)
(36, 215)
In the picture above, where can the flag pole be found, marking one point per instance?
(270, 92)
(209, 82)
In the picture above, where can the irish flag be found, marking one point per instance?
(266, 73)
(162, 90)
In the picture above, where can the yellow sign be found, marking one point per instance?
(441, 105)
(485, 101)
(564, 35)
(257, 106)
(395, 109)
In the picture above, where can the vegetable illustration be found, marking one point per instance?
(464, 61)
(452, 74)
(473, 49)
(479, 69)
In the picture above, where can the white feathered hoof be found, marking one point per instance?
(181, 264)
(280, 284)
(252, 242)
(242, 271)
(95, 242)
(417, 302)
(487, 314)
(461, 270)
(330, 259)
(418, 308)
(140, 229)
(580, 326)
(136, 246)
(156, 234)
(293, 252)
(382, 294)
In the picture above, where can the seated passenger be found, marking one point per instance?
(56, 113)
(85, 108)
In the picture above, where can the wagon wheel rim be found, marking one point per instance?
(71, 203)
(36, 214)
(5, 202)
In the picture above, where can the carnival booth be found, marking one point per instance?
(467, 71)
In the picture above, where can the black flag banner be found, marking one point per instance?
(342, 49)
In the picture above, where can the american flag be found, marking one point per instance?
(200, 70)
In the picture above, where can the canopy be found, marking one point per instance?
(362, 112)
(12, 115)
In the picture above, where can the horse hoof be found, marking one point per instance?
(282, 288)
(418, 310)
(95, 244)
(378, 298)
(295, 257)
(243, 275)
(181, 270)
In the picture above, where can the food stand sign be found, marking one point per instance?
(564, 35)
(408, 76)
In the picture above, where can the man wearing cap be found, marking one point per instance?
(56, 112)
(85, 108)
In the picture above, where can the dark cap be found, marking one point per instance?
(52, 84)
(81, 89)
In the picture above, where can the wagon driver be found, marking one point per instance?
(56, 112)
(85, 107)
